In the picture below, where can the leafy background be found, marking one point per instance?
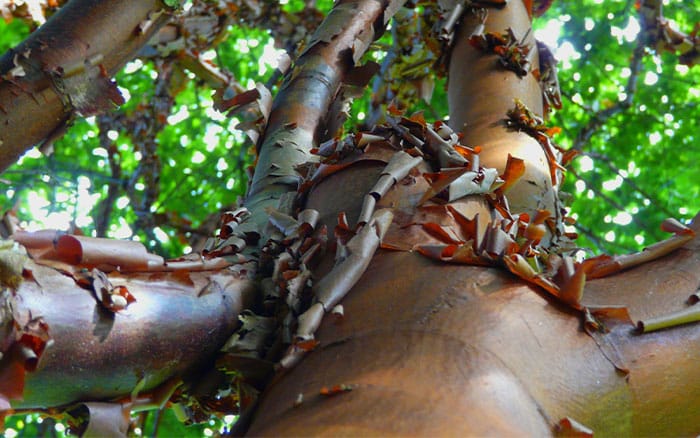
(636, 168)
(634, 171)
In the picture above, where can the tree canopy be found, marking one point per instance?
(632, 115)
(163, 166)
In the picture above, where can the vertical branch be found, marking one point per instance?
(145, 139)
(480, 93)
(599, 118)
(301, 107)
(104, 210)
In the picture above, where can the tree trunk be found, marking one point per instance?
(436, 349)
(442, 349)
(480, 93)
(424, 347)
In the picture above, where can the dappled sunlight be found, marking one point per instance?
(349, 188)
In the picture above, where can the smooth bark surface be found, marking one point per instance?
(424, 348)
(178, 321)
(431, 348)
(481, 91)
(437, 349)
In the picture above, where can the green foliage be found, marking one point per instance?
(637, 167)
(202, 157)
(12, 33)
(32, 425)
(166, 424)
(150, 424)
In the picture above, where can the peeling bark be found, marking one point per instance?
(438, 349)
(481, 91)
(178, 321)
(66, 66)
(301, 107)
(422, 348)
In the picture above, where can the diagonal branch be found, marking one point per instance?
(302, 105)
(613, 203)
(55, 74)
(601, 245)
(630, 182)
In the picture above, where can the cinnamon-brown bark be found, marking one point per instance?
(66, 67)
(480, 93)
(441, 349)
(424, 348)
(433, 349)
(178, 321)
(296, 122)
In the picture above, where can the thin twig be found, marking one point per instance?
(600, 245)
(628, 181)
(104, 210)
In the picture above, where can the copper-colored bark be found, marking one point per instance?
(98, 355)
(300, 109)
(106, 33)
(481, 91)
(425, 348)
(438, 349)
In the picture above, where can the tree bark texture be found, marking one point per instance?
(438, 349)
(425, 348)
(66, 67)
(480, 92)
(178, 322)
(301, 108)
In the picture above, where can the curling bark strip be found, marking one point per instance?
(65, 68)
(486, 354)
(301, 107)
(481, 92)
(440, 349)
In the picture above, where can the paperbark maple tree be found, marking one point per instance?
(448, 349)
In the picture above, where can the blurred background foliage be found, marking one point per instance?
(162, 167)
(167, 163)
(636, 166)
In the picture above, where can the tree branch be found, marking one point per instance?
(630, 182)
(55, 74)
(613, 203)
(601, 245)
(104, 210)
(301, 107)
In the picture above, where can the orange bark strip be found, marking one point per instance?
(109, 254)
(92, 251)
(515, 168)
(609, 265)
